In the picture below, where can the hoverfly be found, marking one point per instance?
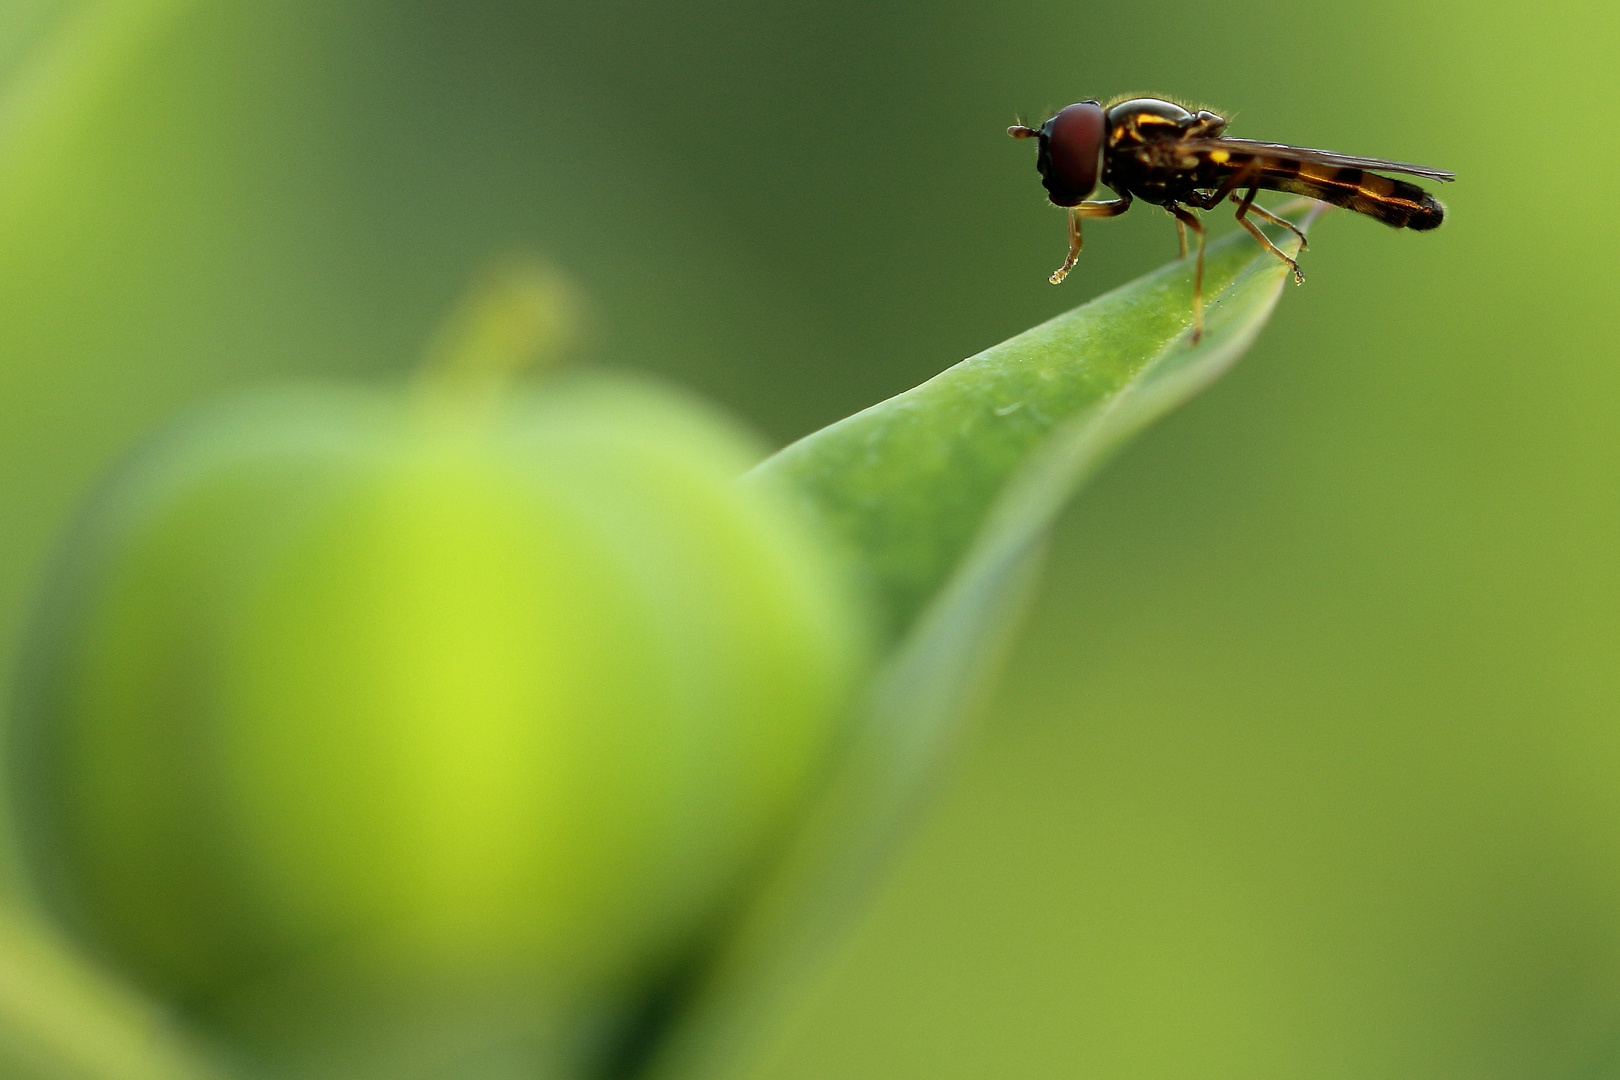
(1159, 152)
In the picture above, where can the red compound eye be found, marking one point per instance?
(1071, 152)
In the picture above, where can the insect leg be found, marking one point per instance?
(1190, 220)
(1243, 209)
(1284, 222)
(1112, 208)
(1234, 180)
(1085, 210)
(1075, 240)
(1181, 238)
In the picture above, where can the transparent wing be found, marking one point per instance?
(1284, 152)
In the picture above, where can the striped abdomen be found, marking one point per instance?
(1394, 202)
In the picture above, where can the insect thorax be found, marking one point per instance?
(1144, 156)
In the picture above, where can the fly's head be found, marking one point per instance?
(1071, 148)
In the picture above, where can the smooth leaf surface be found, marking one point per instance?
(908, 483)
(946, 494)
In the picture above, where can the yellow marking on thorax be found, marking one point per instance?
(1219, 157)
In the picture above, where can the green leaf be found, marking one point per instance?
(945, 495)
(909, 483)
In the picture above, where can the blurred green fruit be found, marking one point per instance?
(345, 703)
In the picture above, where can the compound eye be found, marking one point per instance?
(1073, 143)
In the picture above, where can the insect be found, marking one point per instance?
(1161, 153)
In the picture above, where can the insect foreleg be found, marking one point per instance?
(1084, 210)
(1111, 208)
(1075, 241)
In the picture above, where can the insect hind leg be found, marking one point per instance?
(1256, 208)
(1246, 205)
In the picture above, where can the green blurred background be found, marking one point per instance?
(1308, 763)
